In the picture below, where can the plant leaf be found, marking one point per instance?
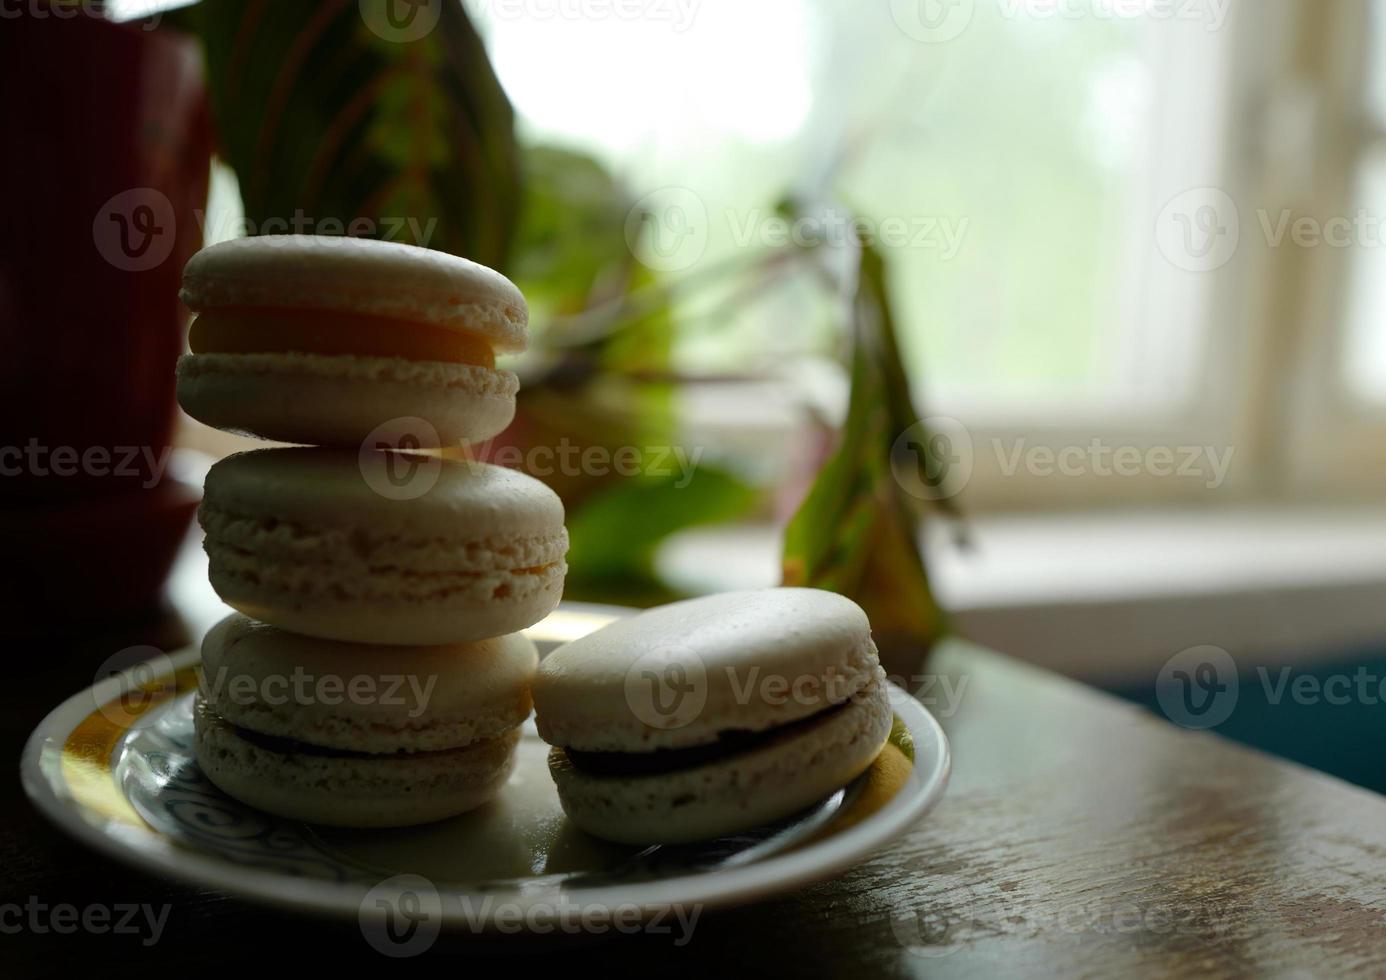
(332, 128)
(857, 531)
(614, 536)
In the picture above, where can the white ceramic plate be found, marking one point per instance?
(113, 766)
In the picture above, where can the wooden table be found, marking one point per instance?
(1080, 837)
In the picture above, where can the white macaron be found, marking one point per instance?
(323, 340)
(712, 716)
(355, 735)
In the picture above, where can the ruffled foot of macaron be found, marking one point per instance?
(712, 716)
(358, 736)
(387, 548)
(324, 340)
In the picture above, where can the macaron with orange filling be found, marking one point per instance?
(321, 340)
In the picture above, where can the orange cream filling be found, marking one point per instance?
(312, 332)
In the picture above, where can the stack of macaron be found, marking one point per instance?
(375, 674)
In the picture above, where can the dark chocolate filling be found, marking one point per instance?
(292, 746)
(730, 743)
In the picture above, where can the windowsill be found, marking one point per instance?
(1109, 597)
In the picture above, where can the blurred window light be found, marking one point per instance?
(1364, 349)
(1013, 164)
(1364, 343)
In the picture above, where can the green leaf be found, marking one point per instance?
(615, 535)
(857, 530)
(332, 127)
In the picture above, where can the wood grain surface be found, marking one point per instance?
(1081, 837)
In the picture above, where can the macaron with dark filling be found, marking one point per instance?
(358, 736)
(712, 716)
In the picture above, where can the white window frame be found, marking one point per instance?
(1337, 443)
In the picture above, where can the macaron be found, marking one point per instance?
(382, 548)
(712, 716)
(358, 736)
(322, 340)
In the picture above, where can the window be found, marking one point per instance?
(1036, 163)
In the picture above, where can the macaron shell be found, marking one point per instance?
(467, 501)
(358, 275)
(733, 795)
(381, 699)
(304, 540)
(386, 791)
(387, 616)
(751, 660)
(340, 401)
